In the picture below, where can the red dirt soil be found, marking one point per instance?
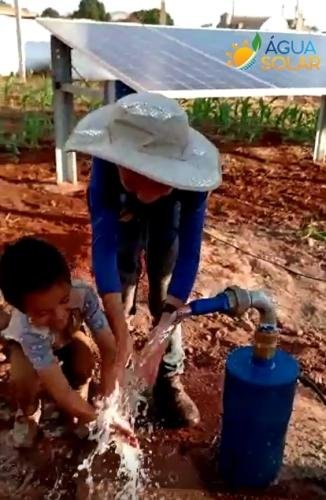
(268, 195)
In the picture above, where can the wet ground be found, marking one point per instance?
(253, 238)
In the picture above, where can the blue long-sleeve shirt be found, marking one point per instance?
(107, 199)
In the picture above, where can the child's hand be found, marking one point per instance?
(115, 425)
(126, 434)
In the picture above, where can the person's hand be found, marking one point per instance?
(113, 425)
(113, 373)
(125, 433)
(149, 360)
(124, 356)
(125, 351)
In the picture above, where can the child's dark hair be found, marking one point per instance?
(30, 265)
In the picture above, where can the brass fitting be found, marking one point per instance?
(265, 344)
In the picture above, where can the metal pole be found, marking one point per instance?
(163, 13)
(63, 111)
(20, 45)
(320, 142)
(233, 8)
(109, 92)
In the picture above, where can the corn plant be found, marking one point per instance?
(34, 130)
(39, 98)
(223, 115)
(265, 111)
(201, 111)
(8, 89)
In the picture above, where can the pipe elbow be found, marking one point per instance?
(241, 300)
(264, 305)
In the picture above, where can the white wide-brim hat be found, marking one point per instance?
(150, 135)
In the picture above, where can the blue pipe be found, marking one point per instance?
(220, 303)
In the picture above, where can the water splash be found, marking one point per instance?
(113, 430)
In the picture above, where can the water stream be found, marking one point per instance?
(113, 431)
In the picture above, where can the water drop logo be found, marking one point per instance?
(244, 56)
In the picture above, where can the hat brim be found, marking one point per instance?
(199, 169)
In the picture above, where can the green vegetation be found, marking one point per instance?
(26, 120)
(249, 119)
(36, 94)
(91, 9)
(49, 12)
(314, 232)
(33, 131)
(151, 16)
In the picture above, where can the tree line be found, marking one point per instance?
(95, 10)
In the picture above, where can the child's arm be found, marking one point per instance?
(97, 323)
(39, 351)
(56, 384)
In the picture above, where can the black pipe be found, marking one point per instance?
(306, 381)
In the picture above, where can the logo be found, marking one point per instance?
(244, 56)
(278, 54)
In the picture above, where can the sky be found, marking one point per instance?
(197, 12)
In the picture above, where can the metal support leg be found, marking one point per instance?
(109, 92)
(320, 142)
(63, 111)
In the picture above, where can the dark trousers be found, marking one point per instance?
(156, 235)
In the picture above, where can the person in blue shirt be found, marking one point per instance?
(150, 178)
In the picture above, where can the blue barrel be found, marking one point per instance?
(257, 405)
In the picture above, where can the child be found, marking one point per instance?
(48, 348)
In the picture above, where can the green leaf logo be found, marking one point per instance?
(256, 43)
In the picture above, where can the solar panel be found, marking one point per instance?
(194, 62)
(216, 43)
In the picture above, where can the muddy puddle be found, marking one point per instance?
(50, 471)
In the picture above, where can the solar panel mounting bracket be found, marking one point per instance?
(64, 91)
(66, 165)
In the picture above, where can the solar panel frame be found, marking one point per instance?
(176, 88)
(124, 76)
